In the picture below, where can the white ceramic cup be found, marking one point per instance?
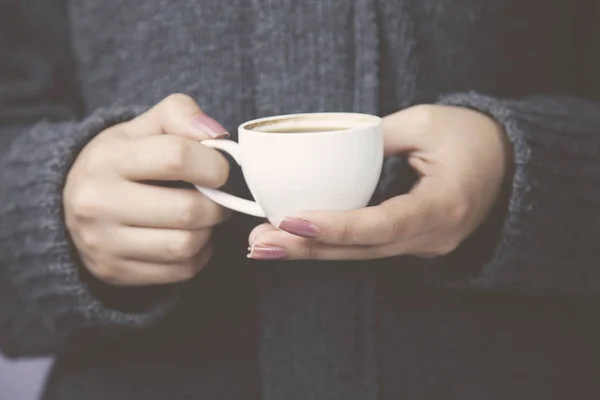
(318, 169)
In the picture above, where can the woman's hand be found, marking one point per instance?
(462, 157)
(131, 233)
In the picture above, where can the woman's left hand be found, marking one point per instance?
(462, 157)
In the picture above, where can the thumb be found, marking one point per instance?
(405, 131)
(177, 114)
(399, 218)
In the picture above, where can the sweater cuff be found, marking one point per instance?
(34, 242)
(544, 244)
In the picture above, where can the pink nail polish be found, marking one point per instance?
(299, 227)
(266, 252)
(209, 126)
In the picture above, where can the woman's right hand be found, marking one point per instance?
(128, 232)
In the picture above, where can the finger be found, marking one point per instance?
(396, 219)
(172, 158)
(275, 244)
(158, 245)
(141, 273)
(258, 231)
(177, 114)
(406, 130)
(147, 206)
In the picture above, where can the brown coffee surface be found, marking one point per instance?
(301, 129)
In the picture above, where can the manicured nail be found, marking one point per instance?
(209, 126)
(266, 252)
(299, 227)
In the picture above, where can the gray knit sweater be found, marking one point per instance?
(506, 316)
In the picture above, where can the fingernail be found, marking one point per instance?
(299, 227)
(265, 252)
(209, 126)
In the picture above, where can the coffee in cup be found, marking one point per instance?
(303, 162)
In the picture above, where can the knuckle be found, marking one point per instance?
(73, 224)
(220, 214)
(190, 211)
(184, 246)
(394, 228)
(220, 173)
(177, 100)
(90, 240)
(311, 250)
(345, 233)
(422, 115)
(456, 211)
(174, 155)
(94, 158)
(188, 271)
(83, 203)
(106, 273)
(204, 256)
(447, 247)
(216, 170)
(210, 213)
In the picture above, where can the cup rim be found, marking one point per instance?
(369, 122)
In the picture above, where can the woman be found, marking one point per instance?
(480, 283)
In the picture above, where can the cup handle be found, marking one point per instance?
(225, 199)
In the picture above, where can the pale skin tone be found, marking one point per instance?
(462, 157)
(131, 233)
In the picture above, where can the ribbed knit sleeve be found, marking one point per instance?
(549, 240)
(48, 301)
(36, 255)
